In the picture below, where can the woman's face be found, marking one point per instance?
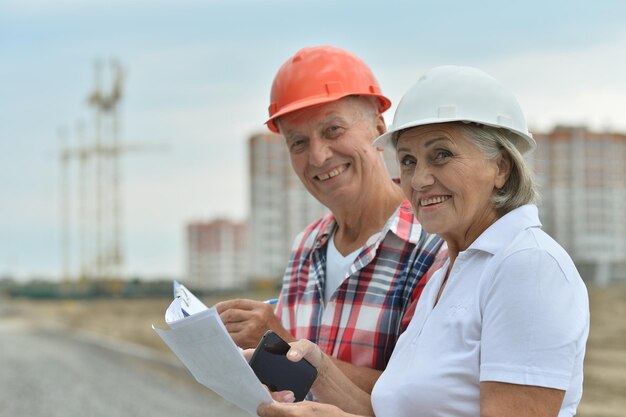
(449, 182)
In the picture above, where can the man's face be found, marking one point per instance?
(331, 149)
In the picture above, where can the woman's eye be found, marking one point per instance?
(442, 155)
(407, 161)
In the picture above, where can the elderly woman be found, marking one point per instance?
(501, 329)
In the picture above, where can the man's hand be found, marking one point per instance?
(248, 320)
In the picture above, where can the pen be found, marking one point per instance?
(271, 301)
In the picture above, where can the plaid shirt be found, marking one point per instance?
(363, 319)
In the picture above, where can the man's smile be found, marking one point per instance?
(332, 173)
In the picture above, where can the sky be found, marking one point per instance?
(197, 81)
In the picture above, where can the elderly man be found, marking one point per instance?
(354, 274)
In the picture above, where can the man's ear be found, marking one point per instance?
(503, 165)
(381, 127)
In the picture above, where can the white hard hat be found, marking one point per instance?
(459, 94)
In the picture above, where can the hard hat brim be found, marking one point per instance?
(385, 140)
(385, 103)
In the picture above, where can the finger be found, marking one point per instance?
(273, 410)
(235, 316)
(226, 305)
(236, 326)
(247, 353)
(283, 396)
(245, 340)
(267, 410)
(237, 303)
(305, 349)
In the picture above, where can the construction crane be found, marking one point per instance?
(100, 247)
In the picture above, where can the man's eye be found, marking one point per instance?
(297, 144)
(333, 131)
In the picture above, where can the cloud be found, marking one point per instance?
(583, 86)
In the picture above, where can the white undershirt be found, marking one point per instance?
(337, 267)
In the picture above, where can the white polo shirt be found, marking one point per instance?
(514, 310)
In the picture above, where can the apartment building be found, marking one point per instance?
(216, 252)
(583, 186)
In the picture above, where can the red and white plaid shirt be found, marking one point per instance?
(363, 319)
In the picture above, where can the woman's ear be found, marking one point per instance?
(503, 165)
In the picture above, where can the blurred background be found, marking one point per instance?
(133, 152)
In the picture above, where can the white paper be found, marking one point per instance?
(204, 346)
(184, 304)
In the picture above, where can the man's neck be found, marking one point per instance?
(359, 222)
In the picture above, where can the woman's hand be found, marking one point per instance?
(306, 349)
(301, 409)
(330, 387)
(300, 349)
(282, 396)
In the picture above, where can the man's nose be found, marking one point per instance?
(319, 151)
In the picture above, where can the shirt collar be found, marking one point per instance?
(326, 229)
(402, 223)
(511, 224)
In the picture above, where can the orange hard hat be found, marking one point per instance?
(318, 75)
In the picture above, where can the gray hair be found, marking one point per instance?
(521, 187)
(368, 104)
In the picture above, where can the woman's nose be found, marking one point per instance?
(422, 177)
